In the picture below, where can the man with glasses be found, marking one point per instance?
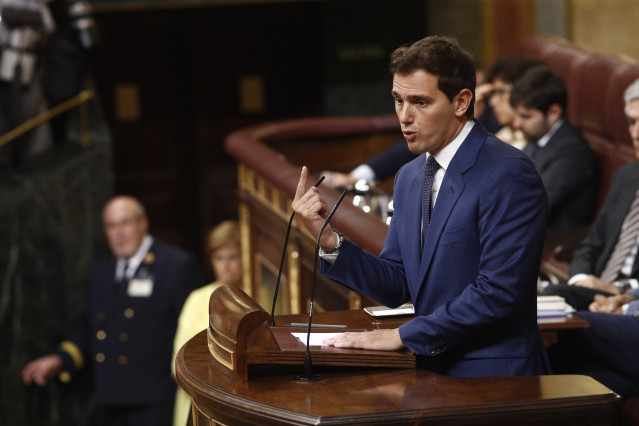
(127, 329)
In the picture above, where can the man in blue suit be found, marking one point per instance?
(473, 283)
(127, 329)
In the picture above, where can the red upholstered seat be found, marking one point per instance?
(595, 84)
(631, 409)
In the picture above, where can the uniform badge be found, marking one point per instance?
(140, 287)
(149, 258)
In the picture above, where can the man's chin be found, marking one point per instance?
(123, 253)
(415, 148)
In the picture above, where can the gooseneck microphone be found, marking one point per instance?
(308, 364)
(279, 274)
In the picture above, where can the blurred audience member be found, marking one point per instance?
(604, 280)
(223, 248)
(608, 350)
(606, 261)
(500, 79)
(129, 323)
(559, 151)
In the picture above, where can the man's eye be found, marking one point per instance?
(422, 103)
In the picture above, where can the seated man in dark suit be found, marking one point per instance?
(604, 280)
(127, 329)
(608, 350)
(562, 156)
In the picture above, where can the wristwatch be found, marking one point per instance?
(621, 285)
(340, 241)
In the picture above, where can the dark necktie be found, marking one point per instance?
(120, 283)
(625, 243)
(427, 194)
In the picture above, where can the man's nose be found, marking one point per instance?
(405, 113)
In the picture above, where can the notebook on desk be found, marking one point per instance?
(383, 311)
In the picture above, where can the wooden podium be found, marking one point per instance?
(240, 335)
(241, 372)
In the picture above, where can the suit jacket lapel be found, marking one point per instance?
(414, 219)
(543, 156)
(449, 192)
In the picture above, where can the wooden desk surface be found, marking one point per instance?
(385, 396)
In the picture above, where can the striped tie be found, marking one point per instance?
(625, 243)
(427, 194)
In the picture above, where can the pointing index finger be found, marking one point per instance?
(301, 184)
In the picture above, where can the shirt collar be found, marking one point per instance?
(545, 138)
(134, 261)
(445, 156)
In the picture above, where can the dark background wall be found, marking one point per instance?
(187, 67)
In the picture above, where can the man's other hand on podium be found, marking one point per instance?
(381, 340)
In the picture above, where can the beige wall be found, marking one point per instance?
(492, 28)
(609, 26)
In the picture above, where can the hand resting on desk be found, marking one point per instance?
(611, 304)
(381, 340)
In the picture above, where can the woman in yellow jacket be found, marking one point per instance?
(223, 248)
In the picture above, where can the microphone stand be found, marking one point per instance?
(279, 274)
(308, 363)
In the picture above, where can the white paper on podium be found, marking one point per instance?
(316, 339)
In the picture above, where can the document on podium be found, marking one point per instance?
(316, 339)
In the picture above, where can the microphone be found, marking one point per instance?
(279, 274)
(308, 363)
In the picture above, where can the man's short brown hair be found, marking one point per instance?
(440, 56)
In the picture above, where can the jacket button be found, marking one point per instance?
(100, 357)
(122, 359)
(101, 335)
(64, 376)
(123, 337)
(128, 313)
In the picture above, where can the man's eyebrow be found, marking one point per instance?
(417, 98)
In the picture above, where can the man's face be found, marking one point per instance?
(532, 122)
(500, 102)
(429, 120)
(633, 124)
(124, 227)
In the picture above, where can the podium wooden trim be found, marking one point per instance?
(239, 335)
(383, 396)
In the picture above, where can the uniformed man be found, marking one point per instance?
(129, 322)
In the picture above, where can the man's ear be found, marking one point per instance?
(555, 112)
(462, 102)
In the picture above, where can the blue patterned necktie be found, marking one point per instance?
(427, 194)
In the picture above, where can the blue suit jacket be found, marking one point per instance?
(474, 285)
